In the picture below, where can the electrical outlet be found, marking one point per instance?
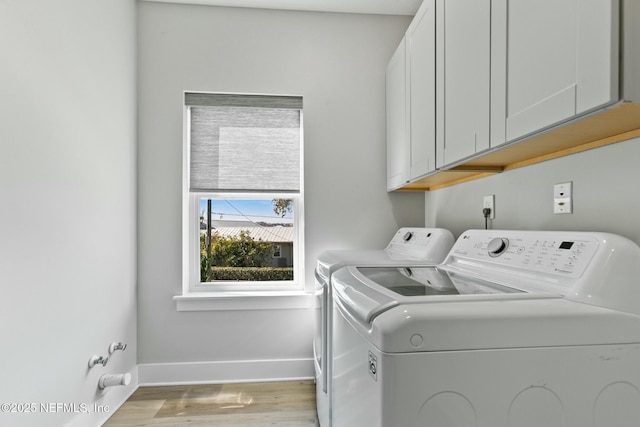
(563, 198)
(489, 202)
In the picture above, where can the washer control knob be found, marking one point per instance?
(407, 236)
(497, 246)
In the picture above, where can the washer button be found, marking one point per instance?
(416, 340)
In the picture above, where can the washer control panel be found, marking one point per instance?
(564, 254)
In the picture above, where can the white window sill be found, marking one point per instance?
(249, 300)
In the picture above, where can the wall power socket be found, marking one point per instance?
(490, 202)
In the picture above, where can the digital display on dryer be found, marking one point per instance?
(566, 245)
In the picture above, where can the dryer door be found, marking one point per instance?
(320, 336)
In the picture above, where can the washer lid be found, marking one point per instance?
(425, 281)
(367, 292)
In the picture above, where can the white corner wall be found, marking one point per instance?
(605, 195)
(337, 63)
(67, 215)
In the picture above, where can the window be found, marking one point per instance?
(277, 251)
(242, 193)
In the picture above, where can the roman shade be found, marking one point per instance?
(244, 143)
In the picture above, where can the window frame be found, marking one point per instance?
(191, 285)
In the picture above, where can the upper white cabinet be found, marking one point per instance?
(410, 101)
(398, 144)
(421, 66)
(493, 85)
(551, 60)
(463, 78)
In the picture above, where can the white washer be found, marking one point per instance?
(409, 246)
(514, 328)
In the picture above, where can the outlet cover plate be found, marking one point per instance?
(563, 198)
(490, 202)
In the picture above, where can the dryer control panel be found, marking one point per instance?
(564, 254)
(427, 244)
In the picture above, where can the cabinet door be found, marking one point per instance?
(398, 148)
(463, 58)
(421, 45)
(558, 59)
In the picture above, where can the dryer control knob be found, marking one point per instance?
(497, 246)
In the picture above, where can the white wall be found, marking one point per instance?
(605, 195)
(337, 63)
(67, 204)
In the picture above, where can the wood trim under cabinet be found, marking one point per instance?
(615, 124)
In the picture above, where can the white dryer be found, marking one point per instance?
(409, 246)
(514, 328)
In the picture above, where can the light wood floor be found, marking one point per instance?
(289, 403)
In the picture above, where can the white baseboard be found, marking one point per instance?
(158, 374)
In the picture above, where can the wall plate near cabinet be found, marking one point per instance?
(563, 198)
